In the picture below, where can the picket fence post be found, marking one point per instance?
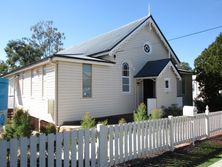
(193, 130)
(207, 122)
(102, 150)
(170, 117)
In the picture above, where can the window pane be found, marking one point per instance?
(125, 77)
(125, 69)
(125, 88)
(125, 73)
(126, 81)
(166, 84)
(183, 86)
(87, 80)
(125, 66)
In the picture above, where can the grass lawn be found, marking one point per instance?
(203, 154)
(211, 161)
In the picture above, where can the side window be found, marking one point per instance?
(125, 78)
(87, 80)
(32, 75)
(167, 86)
(22, 83)
(43, 80)
(183, 86)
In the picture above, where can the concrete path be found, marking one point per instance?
(217, 164)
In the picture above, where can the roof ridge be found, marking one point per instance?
(80, 46)
(115, 29)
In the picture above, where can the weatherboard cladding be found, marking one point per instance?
(152, 68)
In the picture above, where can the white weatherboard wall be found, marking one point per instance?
(29, 86)
(133, 50)
(107, 96)
(166, 98)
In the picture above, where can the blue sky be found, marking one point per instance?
(84, 19)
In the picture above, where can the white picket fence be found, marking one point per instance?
(108, 145)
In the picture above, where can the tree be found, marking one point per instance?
(209, 74)
(20, 53)
(46, 37)
(45, 41)
(185, 66)
(3, 68)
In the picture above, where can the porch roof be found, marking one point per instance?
(152, 68)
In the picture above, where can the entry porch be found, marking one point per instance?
(156, 85)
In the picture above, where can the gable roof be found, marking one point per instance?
(101, 45)
(152, 68)
(104, 42)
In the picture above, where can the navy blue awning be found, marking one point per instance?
(152, 68)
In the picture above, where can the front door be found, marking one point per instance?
(148, 89)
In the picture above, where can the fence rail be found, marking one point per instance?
(108, 145)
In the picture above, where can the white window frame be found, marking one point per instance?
(169, 85)
(122, 77)
(31, 78)
(147, 43)
(43, 80)
(87, 97)
(22, 83)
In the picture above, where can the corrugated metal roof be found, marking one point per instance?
(104, 42)
(152, 68)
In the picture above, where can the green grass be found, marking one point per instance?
(203, 154)
(211, 161)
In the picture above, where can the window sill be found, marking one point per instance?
(167, 90)
(87, 97)
(126, 93)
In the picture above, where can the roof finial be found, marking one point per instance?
(149, 10)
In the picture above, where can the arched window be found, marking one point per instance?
(125, 77)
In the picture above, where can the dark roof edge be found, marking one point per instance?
(91, 55)
(170, 60)
(185, 71)
(61, 56)
(131, 32)
(34, 63)
(79, 58)
(167, 59)
(165, 38)
(151, 76)
(176, 68)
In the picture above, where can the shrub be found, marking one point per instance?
(49, 128)
(156, 114)
(122, 121)
(172, 110)
(20, 126)
(200, 105)
(88, 121)
(140, 113)
(104, 122)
